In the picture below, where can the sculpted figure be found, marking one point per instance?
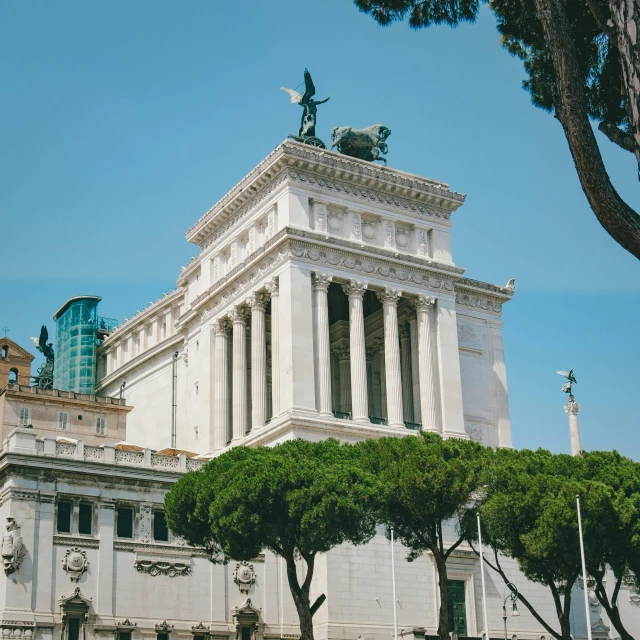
(365, 144)
(13, 549)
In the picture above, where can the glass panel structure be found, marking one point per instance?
(76, 342)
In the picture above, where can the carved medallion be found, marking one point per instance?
(75, 563)
(244, 576)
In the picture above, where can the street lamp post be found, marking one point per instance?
(513, 596)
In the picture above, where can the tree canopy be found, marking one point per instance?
(427, 483)
(582, 62)
(297, 499)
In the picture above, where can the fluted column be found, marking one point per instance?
(239, 401)
(258, 361)
(389, 299)
(273, 289)
(221, 385)
(426, 364)
(344, 366)
(405, 365)
(359, 401)
(322, 347)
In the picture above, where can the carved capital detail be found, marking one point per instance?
(424, 303)
(389, 296)
(257, 301)
(355, 288)
(273, 287)
(572, 408)
(221, 327)
(238, 315)
(321, 281)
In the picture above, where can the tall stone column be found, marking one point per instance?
(322, 347)
(359, 401)
(221, 385)
(344, 367)
(389, 299)
(239, 387)
(572, 408)
(415, 376)
(427, 364)
(273, 289)
(258, 361)
(405, 365)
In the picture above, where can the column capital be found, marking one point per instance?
(221, 327)
(321, 281)
(342, 353)
(257, 300)
(273, 286)
(424, 303)
(572, 408)
(389, 296)
(355, 288)
(238, 315)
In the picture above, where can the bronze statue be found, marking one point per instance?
(571, 380)
(365, 144)
(44, 379)
(307, 131)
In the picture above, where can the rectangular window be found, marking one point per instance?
(64, 517)
(124, 525)
(25, 416)
(63, 420)
(246, 633)
(74, 629)
(124, 635)
(160, 530)
(101, 426)
(84, 520)
(457, 609)
(162, 636)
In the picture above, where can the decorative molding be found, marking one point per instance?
(244, 576)
(164, 627)
(159, 549)
(126, 624)
(319, 210)
(273, 286)
(163, 568)
(75, 563)
(65, 541)
(146, 512)
(475, 302)
(200, 629)
(356, 225)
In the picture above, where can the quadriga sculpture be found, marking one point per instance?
(365, 144)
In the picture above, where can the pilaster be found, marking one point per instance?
(106, 521)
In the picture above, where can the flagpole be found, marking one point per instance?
(484, 592)
(393, 580)
(584, 572)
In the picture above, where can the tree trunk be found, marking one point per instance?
(441, 566)
(301, 595)
(625, 16)
(616, 216)
(611, 607)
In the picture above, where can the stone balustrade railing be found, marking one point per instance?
(25, 441)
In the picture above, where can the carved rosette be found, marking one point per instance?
(75, 563)
(244, 576)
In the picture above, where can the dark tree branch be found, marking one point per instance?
(317, 604)
(616, 216)
(453, 547)
(618, 136)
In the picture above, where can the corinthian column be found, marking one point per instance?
(239, 400)
(405, 363)
(272, 288)
(322, 345)
(389, 299)
(221, 385)
(258, 361)
(359, 401)
(426, 364)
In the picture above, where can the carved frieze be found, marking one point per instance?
(474, 302)
(163, 568)
(75, 563)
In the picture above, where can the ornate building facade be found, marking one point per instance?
(324, 301)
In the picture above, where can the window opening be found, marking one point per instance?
(124, 635)
(63, 420)
(5, 351)
(101, 426)
(246, 633)
(125, 522)
(162, 636)
(13, 376)
(64, 517)
(160, 530)
(84, 521)
(25, 416)
(74, 629)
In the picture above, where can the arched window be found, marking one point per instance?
(13, 376)
(5, 350)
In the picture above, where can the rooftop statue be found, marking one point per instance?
(571, 380)
(44, 379)
(365, 144)
(307, 132)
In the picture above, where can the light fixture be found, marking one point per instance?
(514, 609)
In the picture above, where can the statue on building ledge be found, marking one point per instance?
(307, 132)
(13, 550)
(44, 379)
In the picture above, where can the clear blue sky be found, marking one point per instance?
(122, 122)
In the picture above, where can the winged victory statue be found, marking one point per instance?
(307, 132)
(44, 379)
(571, 380)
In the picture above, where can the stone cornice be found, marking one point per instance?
(468, 285)
(326, 163)
(167, 343)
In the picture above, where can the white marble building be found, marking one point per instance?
(324, 302)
